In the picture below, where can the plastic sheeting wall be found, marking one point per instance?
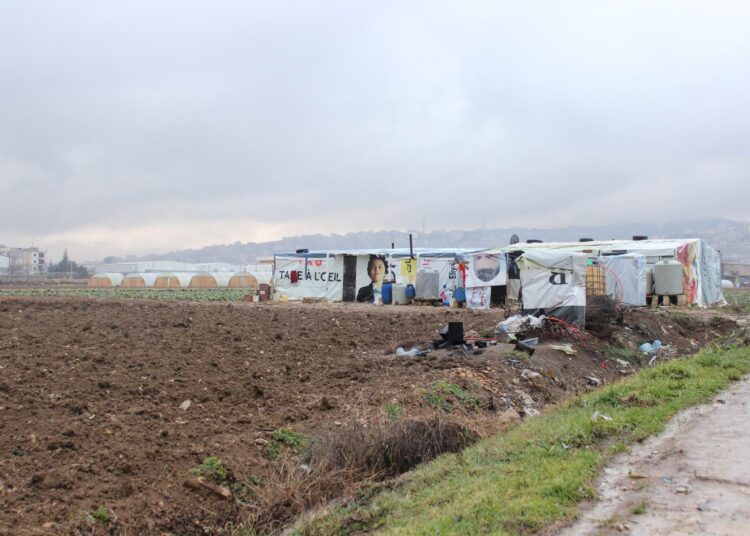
(315, 277)
(554, 283)
(626, 278)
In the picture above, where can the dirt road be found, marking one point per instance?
(692, 479)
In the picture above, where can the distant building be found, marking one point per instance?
(4, 264)
(23, 261)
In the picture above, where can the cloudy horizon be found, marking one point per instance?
(138, 127)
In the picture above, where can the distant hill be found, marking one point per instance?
(731, 237)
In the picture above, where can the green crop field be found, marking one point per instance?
(192, 294)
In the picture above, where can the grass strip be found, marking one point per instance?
(536, 474)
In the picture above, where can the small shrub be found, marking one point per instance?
(100, 514)
(393, 411)
(286, 438)
(640, 508)
(441, 389)
(213, 468)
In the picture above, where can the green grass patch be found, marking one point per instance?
(212, 468)
(739, 300)
(286, 439)
(393, 411)
(640, 508)
(445, 396)
(101, 514)
(537, 473)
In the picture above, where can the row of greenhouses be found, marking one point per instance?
(175, 280)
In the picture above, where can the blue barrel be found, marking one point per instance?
(460, 294)
(411, 292)
(387, 293)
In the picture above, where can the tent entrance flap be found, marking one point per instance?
(350, 278)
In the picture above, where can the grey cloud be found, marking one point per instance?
(504, 113)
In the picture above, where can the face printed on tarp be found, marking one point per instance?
(486, 266)
(376, 270)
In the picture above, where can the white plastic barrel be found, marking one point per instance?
(668, 278)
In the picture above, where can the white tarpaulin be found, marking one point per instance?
(478, 297)
(299, 277)
(626, 277)
(554, 282)
(486, 269)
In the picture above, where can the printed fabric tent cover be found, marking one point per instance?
(701, 264)
(320, 274)
(553, 283)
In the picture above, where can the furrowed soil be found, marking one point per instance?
(90, 396)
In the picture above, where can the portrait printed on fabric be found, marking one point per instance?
(377, 268)
(485, 267)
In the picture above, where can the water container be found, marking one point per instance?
(460, 294)
(411, 291)
(668, 278)
(387, 293)
(399, 295)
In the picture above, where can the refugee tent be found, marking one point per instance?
(553, 283)
(142, 280)
(701, 264)
(344, 275)
(243, 280)
(173, 280)
(105, 280)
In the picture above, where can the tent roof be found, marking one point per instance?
(397, 252)
(655, 247)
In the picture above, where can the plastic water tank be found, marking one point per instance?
(399, 295)
(668, 278)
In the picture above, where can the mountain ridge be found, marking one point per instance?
(731, 237)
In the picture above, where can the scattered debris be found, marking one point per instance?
(525, 397)
(597, 416)
(682, 488)
(650, 348)
(200, 483)
(412, 352)
(567, 348)
(531, 412)
(593, 380)
(527, 374)
(519, 323)
(186, 405)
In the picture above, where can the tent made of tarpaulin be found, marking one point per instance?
(342, 275)
(701, 264)
(625, 277)
(142, 280)
(553, 283)
(106, 280)
(173, 280)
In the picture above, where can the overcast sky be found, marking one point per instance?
(135, 127)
